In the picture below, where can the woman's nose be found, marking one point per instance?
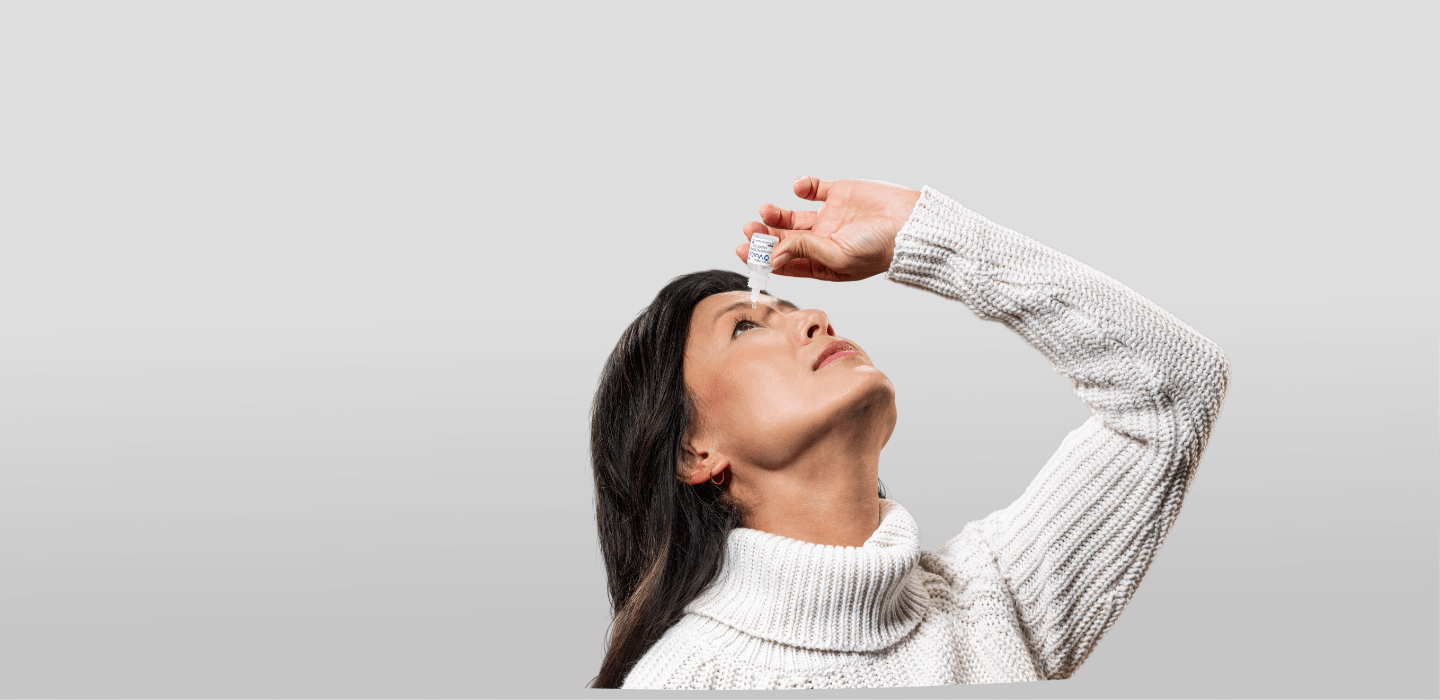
(813, 325)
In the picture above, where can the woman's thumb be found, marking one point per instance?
(805, 245)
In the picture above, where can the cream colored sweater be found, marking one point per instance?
(1025, 593)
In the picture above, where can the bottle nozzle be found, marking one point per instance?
(754, 297)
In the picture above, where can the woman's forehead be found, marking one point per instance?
(722, 302)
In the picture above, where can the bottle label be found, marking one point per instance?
(760, 247)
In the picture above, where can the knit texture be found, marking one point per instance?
(1025, 593)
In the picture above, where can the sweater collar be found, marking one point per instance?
(821, 596)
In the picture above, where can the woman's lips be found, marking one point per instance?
(835, 351)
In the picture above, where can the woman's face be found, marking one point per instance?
(772, 382)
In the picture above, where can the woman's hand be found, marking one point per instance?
(850, 238)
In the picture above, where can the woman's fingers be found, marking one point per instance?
(799, 253)
(795, 254)
(786, 218)
(819, 250)
(812, 188)
(754, 227)
(797, 268)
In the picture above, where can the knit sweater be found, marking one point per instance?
(1025, 593)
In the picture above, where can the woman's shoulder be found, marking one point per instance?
(965, 554)
(965, 580)
(675, 660)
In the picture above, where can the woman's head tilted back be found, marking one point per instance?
(700, 387)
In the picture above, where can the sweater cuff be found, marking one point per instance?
(938, 246)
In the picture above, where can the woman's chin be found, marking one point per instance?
(873, 379)
(868, 392)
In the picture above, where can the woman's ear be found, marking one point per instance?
(699, 464)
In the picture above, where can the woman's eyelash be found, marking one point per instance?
(740, 322)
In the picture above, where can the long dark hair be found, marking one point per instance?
(663, 540)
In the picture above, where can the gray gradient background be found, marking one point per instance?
(303, 306)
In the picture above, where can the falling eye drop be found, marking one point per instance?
(761, 245)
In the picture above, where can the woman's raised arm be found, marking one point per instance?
(1074, 546)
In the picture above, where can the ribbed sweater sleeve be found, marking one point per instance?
(1075, 545)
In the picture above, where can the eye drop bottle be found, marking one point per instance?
(759, 263)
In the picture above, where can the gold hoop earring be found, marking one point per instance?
(722, 478)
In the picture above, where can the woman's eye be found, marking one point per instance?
(743, 326)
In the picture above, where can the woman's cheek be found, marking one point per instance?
(786, 407)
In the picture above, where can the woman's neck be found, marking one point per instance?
(828, 496)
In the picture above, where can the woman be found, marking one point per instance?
(736, 451)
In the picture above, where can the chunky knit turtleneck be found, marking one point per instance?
(869, 600)
(1025, 593)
